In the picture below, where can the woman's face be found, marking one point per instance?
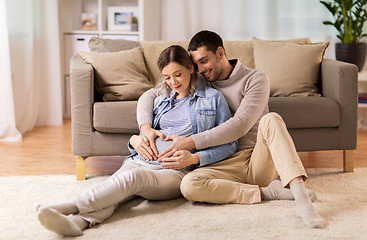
(177, 77)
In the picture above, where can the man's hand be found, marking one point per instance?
(180, 159)
(178, 143)
(151, 134)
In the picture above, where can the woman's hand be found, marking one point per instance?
(141, 146)
(180, 159)
(150, 134)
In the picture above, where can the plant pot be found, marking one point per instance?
(351, 53)
(134, 27)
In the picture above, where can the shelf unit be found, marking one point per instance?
(148, 16)
(362, 76)
(362, 86)
(362, 107)
(76, 39)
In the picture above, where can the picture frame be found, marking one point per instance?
(119, 18)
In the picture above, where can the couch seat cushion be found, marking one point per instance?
(115, 117)
(297, 112)
(306, 112)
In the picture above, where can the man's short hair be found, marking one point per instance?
(207, 39)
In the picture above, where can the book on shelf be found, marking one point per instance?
(362, 96)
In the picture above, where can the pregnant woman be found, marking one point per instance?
(184, 107)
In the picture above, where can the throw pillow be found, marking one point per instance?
(244, 50)
(293, 68)
(119, 75)
(111, 45)
(241, 50)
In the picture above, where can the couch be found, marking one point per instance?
(323, 119)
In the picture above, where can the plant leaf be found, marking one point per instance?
(329, 6)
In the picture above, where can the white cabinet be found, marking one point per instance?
(131, 37)
(76, 39)
(72, 44)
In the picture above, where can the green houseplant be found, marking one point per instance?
(134, 24)
(349, 19)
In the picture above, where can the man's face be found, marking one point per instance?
(209, 64)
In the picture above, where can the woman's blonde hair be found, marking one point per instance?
(178, 54)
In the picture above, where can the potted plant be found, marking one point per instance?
(134, 24)
(349, 16)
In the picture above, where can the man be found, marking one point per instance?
(265, 148)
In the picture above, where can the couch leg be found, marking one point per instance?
(348, 160)
(80, 168)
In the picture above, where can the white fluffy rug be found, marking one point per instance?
(342, 202)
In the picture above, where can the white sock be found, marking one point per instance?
(304, 208)
(59, 223)
(276, 191)
(64, 208)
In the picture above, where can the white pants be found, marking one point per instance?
(134, 178)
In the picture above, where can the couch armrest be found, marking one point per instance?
(82, 99)
(340, 83)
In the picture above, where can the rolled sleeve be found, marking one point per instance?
(216, 154)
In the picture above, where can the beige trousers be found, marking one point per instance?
(134, 178)
(238, 178)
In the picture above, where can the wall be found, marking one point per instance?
(244, 19)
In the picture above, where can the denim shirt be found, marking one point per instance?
(208, 108)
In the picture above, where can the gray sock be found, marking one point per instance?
(304, 208)
(276, 191)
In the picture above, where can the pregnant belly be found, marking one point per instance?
(161, 145)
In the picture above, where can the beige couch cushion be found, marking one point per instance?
(306, 112)
(241, 50)
(244, 50)
(293, 68)
(115, 117)
(111, 45)
(119, 75)
(151, 53)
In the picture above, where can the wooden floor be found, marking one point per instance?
(47, 150)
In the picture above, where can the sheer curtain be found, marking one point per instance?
(8, 131)
(244, 19)
(34, 47)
